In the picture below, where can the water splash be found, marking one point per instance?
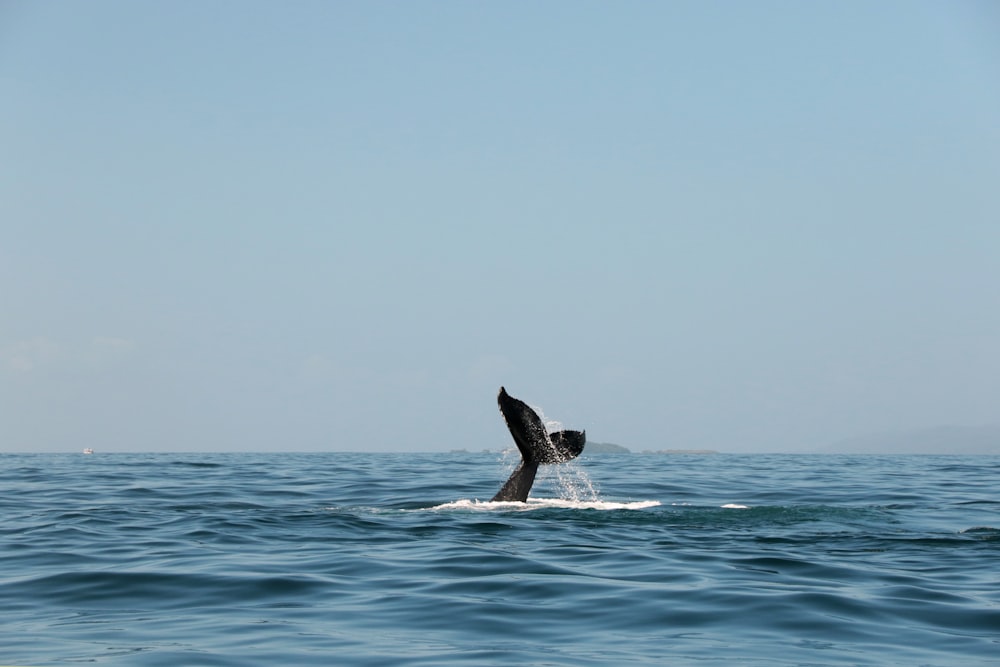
(573, 482)
(568, 480)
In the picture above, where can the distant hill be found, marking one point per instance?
(609, 448)
(604, 448)
(937, 440)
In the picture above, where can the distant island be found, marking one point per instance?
(963, 440)
(610, 448)
(604, 448)
(959, 440)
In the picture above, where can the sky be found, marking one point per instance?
(325, 226)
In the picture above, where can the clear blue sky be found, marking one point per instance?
(744, 226)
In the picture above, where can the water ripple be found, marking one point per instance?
(375, 560)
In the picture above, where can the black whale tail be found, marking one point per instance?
(535, 444)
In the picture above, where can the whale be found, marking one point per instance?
(536, 444)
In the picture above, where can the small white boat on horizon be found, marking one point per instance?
(88, 450)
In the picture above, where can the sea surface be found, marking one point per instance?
(368, 559)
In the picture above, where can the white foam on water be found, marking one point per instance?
(545, 503)
(734, 506)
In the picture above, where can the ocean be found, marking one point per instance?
(397, 559)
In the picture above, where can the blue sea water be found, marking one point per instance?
(364, 559)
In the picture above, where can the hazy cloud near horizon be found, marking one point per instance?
(342, 226)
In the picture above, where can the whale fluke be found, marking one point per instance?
(537, 447)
